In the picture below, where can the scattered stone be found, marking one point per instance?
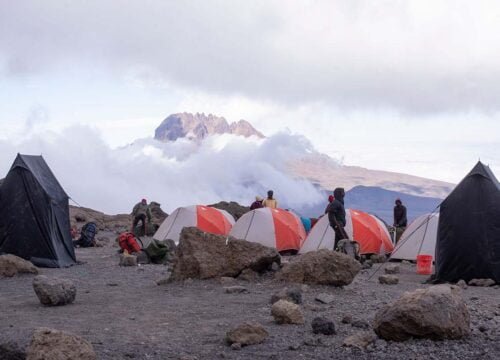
(294, 347)
(236, 346)
(321, 325)
(388, 279)
(202, 255)
(128, 260)
(249, 275)
(164, 280)
(462, 284)
(482, 328)
(59, 345)
(482, 282)
(275, 267)
(285, 312)
(436, 313)
(11, 265)
(235, 289)
(293, 295)
(378, 259)
(54, 291)
(112, 284)
(247, 334)
(79, 217)
(347, 319)
(360, 324)
(142, 258)
(366, 265)
(325, 298)
(406, 262)
(227, 280)
(14, 344)
(323, 267)
(360, 340)
(392, 269)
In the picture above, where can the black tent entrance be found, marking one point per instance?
(34, 214)
(468, 241)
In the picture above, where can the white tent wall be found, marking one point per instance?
(172, 226)
(418, 238)
(256, 226)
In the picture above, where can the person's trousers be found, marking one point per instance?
(140, 217)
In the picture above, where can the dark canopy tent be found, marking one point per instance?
(468, 241)
(34, 214)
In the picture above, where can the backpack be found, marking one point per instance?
(157, 251)
(127, 241)
(348, 247)
(88, 234)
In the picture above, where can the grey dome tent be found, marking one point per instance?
(34, 214)
(468, 241)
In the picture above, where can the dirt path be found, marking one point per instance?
(126, 315)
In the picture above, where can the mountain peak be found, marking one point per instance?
(198, 126)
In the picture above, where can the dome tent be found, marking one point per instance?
(205, 218)
(468, 241)
(276, 228)
(369, 231)
(34, 214)
(419, 238)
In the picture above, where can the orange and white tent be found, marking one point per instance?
(205, 218)
(275, 228)
(369, 231)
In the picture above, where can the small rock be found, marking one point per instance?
(483, 328)
(294, 347)
(249, 275)
(236, 346)
(347, 319)
(11, 265)
(235, 289)
(388, 279)
(462, 284)
(392, 269)
(360, 324)
(54, 291)
(321, 325)
(293, 295)
(112, 284)
(325, 298)
(80, 217)
(285, 312)
(406, 262)
(247, 334)
(482, 282)
(275, 267)
(360, 340)
(378, 259)
(366, 265)
(227, 280)
(128, 260)
(164, 280)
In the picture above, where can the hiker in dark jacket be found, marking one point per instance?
(140, 212)
(400, 220)
(336, 215)
(257, 204)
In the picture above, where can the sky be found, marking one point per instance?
(405, 86)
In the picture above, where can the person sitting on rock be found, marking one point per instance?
(270, 202)
(140, 212)
(257, 204)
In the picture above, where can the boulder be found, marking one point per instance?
(235, 209)
(325, 298)
(392, 269)
(388, 279)
(321, 325)
(285, 312)
(14, 343)
(128, 260)
(248, 275)
(323, 267)
(436, 313)
(482, 282)
(53, 291)
(360, 340)
(292, 295)
(58, 345)
(11, 265)
(247, 334)
(202, 255)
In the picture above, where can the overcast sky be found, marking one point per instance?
(407, 86)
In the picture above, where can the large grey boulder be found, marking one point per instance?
(11, 265)
(247, 334)
(202, 255)
(436, 313)
(54, 291)
(323, 267)
(58, 345)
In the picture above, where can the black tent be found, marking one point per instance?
(468, 241)
(34, 214)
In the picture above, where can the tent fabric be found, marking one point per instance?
(208, 219)
(34, 215)
(275, 228)
(419, 238)
(468, 241)
(370, 232)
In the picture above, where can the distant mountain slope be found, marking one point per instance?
(199, 126)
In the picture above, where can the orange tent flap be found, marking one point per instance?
(211, 220)
(288, 232)
(366, 230)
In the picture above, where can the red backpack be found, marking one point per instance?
(127, 241)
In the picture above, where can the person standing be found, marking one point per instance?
(257, 204)
(141, 212)
(270, 202)
(337, 216)
(400, 218)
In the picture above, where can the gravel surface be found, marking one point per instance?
(125, 315)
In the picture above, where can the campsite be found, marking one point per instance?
(184, 308)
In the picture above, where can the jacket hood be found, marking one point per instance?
(339, 194)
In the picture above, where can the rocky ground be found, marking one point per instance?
(126, 315)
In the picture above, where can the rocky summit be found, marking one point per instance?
(199, 126)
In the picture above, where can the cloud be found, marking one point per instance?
(412, 56)
(175, 174)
